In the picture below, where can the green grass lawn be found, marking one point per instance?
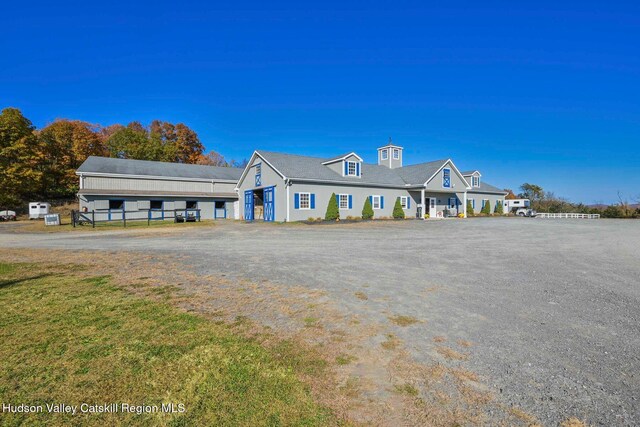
(71, 340)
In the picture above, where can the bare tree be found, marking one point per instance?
(623, 203)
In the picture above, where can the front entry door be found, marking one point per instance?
(248, 205)
(432, 207)
(269, 204)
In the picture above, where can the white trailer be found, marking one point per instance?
(38, 210)
(514, 204)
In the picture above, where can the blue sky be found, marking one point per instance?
(547, 93)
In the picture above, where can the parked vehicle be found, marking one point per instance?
(38, 210)
(510, 206)
(7, 215)
(526, 212)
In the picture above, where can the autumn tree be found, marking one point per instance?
(19, 173)
(132, 142)
(188, 145)
(510, 194)
(64, 145)
(212, 159)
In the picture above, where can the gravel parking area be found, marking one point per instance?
(549, 309)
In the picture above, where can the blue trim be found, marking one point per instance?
(258, 175)
(215, 210)
(358, 169)
(446, 178)
(296, 201)
(350, 201)
(312, 200)
(269, 204)
(381, 202)
(248, 205)
(346, 168)
(408, 202)
(116, 210)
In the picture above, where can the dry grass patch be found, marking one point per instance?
(573, 422)
(361, 296)
(464, 343)
(464, 375)
(345, 359)
(403, 320)
(439, 339)
(473, 396)
(391, 343)
(311, 322)
(449, 353)
(406, 388)
(351, 388)
(529, 419)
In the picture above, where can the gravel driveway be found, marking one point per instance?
(551, 307)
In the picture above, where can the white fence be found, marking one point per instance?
(568, 215)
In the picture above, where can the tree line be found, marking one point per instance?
(547, 201)
(40, 164)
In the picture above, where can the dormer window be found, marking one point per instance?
(385, 154)
(351, 168)
(476, 181)
(396, 154)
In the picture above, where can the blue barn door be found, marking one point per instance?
(248, 205)
(269, 204)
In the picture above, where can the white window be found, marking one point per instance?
(385, 154)
(352, 169)
(396, 154)
(343, 201)
(375, 202)
(476, 181)
(305, 201)
(403, 202)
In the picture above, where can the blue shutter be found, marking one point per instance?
(296, 203)
(346, 168)
(338, 200)
(350, 201)
(312, 200)
(358, 169)
(381, 202)
(371, 200)
(408, 202)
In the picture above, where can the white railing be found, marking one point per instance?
(568, 215)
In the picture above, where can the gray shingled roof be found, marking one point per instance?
(144, 167)
(342, 156)
(471, 172)
(305, 167)
(420, 173)
(486, 188)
